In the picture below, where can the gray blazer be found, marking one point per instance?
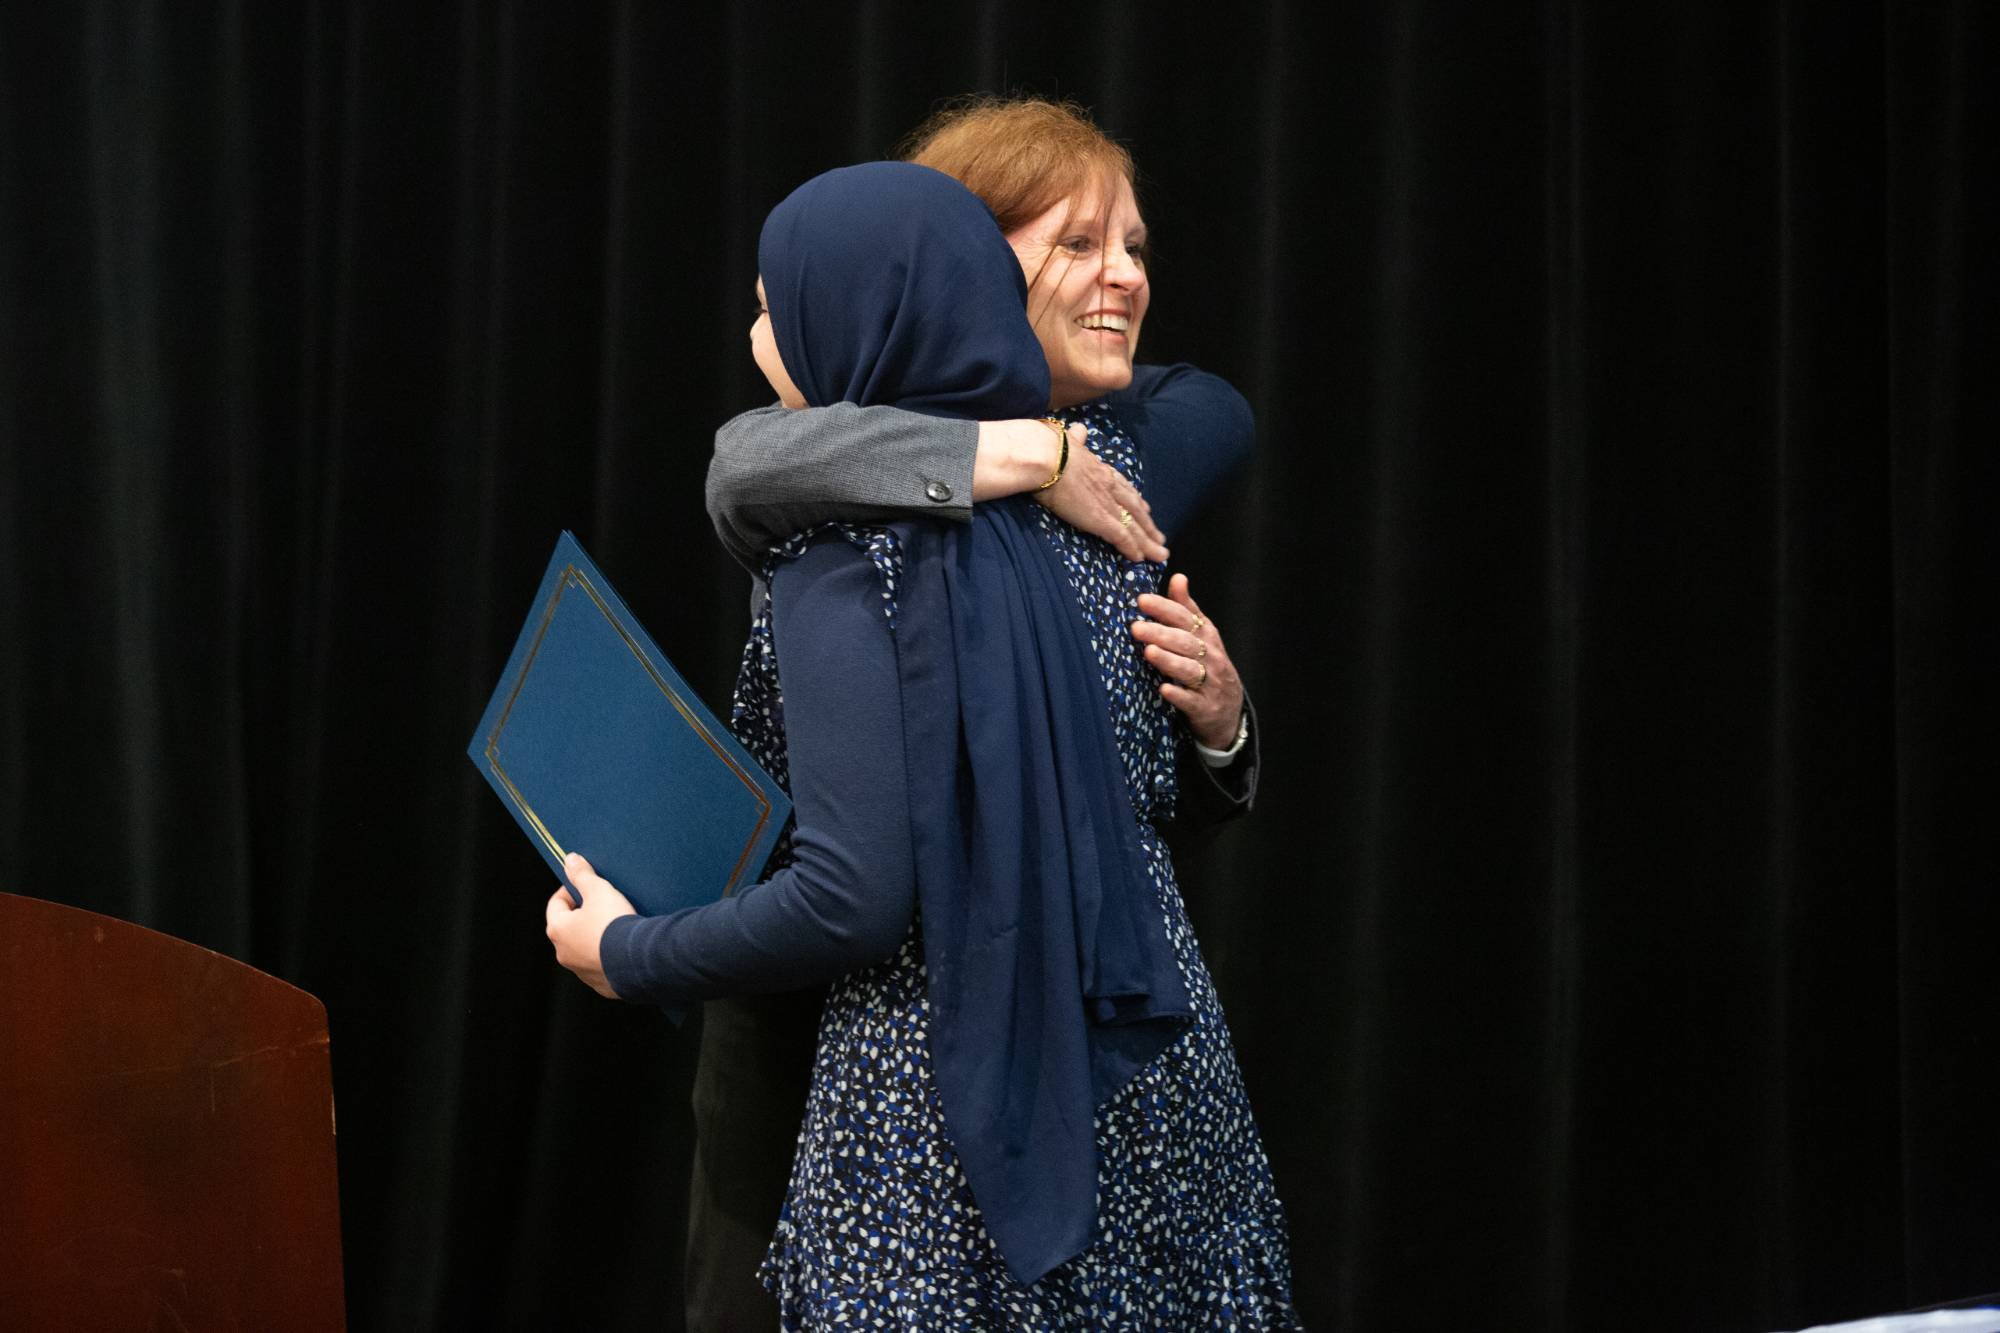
(777, 472)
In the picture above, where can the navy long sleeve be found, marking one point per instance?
(1194, 429)
(847, 900)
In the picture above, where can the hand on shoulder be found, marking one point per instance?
(1089, 494)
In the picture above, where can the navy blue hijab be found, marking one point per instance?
(1051, 980)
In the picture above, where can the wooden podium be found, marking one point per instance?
(166, 1135)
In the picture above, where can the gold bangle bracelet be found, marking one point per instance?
(1062, 456)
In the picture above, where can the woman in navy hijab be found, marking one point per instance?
(1025, 1110)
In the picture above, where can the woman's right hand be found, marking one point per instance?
(578, 931)
(1093, 496)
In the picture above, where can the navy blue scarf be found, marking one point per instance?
(1051, 980)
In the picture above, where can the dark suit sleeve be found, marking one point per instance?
(848, 899)
(1193, 429)
(777, 471)
(1211, 796)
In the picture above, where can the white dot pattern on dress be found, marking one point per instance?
(879, 1229)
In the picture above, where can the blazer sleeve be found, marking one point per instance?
(848, 898)
(777, 471)
(1210, 796)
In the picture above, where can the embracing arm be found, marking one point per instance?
(848, 899)
(1194, 428)
(777, 471)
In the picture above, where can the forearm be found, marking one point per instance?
(1013, 457)
(776, 472)
(1194, 429)
(798, 928)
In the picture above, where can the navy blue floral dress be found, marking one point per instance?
(879, 1229)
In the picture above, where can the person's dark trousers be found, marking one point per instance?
(751, 1075)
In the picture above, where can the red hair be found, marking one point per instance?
(1021, 155)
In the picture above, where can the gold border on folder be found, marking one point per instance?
(572, 575)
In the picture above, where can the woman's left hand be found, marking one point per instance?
(576, 931)
(1185, 646)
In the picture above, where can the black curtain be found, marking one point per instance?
(1612, 946)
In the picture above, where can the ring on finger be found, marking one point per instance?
(1124, 518)
(1202, 679)
(1198, 623)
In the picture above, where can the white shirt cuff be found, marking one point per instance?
(1224, 758)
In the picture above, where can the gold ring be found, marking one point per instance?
(1202, 679)
(1124, 518)
(1198, 622)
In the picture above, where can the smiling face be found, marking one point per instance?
(1087, 293)
(764, 350)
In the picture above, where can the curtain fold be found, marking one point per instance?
(1943, 477)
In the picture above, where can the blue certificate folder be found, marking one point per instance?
(596, 745)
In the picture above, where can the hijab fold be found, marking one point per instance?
(1050, 977)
